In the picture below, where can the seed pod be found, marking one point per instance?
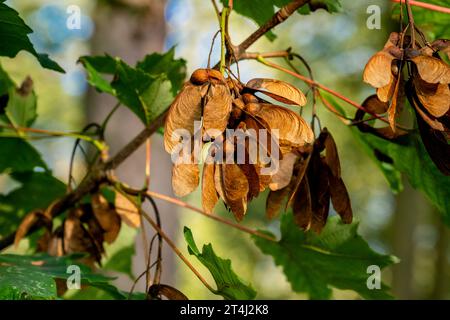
(278, 90)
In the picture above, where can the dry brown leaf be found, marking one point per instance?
(127, 210)
(318, 177)
(209, 194)
(302, 206)
(299, 173)
(331, 155)
(432, 70)
(392, 111)
(434, 97)
(184, 111)
(274, 202)
(28, 222)
(291, 127)
(377, 72)
(55, 245)
(77, 239)
(252, 176)
(185, 178)
(235, 187)
(283, 176)
(106, 216)
(171, 293)
(218, 181)
(375, 105)
(278, 90)
(340, 199)
(217, 109)
(385, 93)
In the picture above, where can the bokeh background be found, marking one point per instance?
(336, 46)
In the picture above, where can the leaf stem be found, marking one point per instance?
(168, 241)
(223, 48)
(428, 6)
(214, 217)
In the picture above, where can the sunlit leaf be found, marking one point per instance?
(338, 258)
(228, 283)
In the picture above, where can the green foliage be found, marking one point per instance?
(228, 283)
(119, 255)
(17, 155)
(14, 37)
(265, 9)
(338, 257)
(434, 24)
(20, 105)
(37, 191)
(33, 277)
(147, 89)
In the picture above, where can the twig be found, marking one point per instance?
(214, 217)
(95, 176)
(168, 241)
(100, 145)
(428, 6)
(411, 23)
(148, 157)
(274, 54)
(320, 86)
(280, 16)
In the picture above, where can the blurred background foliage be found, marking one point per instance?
(336, 46)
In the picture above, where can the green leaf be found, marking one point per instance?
(260, 13)
(434, 24)
(411, 158)
(37, 191)
(338, 257)
(165, 64)
(228, 283)
(147, 89)
(33, 277)
(14, 37)
(6, 82)
(21, 108)
(95, 66)
(120, 253)
(17, 155)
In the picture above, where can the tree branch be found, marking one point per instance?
(280, 16)
(95, 176)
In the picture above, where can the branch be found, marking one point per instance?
(274, 54)
(424, 5)
(167, 239)
(214, 217)
(95, 176)
(280, 16)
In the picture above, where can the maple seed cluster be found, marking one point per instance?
(403, 69)
(229, 104)
(85, 229)
(316, 180)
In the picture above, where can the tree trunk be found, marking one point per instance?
(131, 29)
